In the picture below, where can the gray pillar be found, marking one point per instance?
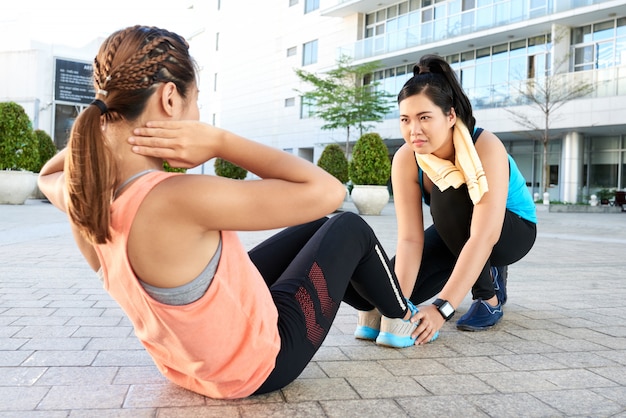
(571, 173)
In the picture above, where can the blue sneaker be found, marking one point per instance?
(499, 275)
(480, 316)
(396, 332)
(368, 325)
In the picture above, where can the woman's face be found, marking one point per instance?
(425, 127)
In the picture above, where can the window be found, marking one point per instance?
(290, 102)
(292, 51)
(215, 82)
(309, 53)
(600, 45)
(311, 5)
(217, 41)
(307, 109)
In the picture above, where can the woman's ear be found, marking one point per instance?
(451, 117)
(169, 98)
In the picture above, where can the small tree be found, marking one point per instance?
(18, 150)
(370, 163)
(547, 93)
(225, 168)
(334, 162)
(346, 97)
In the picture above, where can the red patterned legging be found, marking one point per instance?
(310, 269)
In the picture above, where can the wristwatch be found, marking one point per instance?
(445, 309)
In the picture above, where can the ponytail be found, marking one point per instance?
(90, 176)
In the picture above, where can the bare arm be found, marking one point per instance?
(291, 191)
(51, 180)
(52, 184)
(410, 220)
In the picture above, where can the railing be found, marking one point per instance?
(606, 82)
(450, 26)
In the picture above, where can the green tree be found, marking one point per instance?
(225, 168)
(370, 163)
(334, 162)
(346, 97)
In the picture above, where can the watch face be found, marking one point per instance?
(446, 309)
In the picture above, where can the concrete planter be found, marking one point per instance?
(16, 186)
(370, 200)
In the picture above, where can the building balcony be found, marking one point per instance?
(485, 25)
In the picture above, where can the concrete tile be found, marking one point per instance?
(579, 402)
(440, 406)
(123, 358)
(464, 365)
(368, 369)
(21, 398)
(114, 413)
(20, 376)
(160, 395)
(56, 344)
(512, 405)
(415, 367)
(84, 397)
(136, 375)
(319, 390)
(282, 409)
(455, 384)
(312, 371)
(362, 408)
(75, 376)
(61, 358)
(574, 378)
(386, 387)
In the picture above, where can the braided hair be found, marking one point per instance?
(127, 69)
(434, 77)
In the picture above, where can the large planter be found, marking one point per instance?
(16, 186)
(370, 200)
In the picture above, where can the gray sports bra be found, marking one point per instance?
(189, 292)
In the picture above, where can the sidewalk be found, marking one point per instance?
(66, 349)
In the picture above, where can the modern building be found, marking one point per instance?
(248, 52)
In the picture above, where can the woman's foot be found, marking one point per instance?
(481, 315)
(368, 325)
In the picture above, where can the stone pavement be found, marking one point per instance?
(66, 349)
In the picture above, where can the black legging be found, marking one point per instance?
(310, 269)
(451, 211)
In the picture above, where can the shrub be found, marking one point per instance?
(334, 162)
(46, 146)
(370, 163)
(225, 168)
(171, 169)
(18, 150)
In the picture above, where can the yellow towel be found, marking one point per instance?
(467, 167)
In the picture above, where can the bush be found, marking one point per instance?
(225, 168)
(46, 146)
(333, 161)
(18, 149)
(370, 163)
(171, 169)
